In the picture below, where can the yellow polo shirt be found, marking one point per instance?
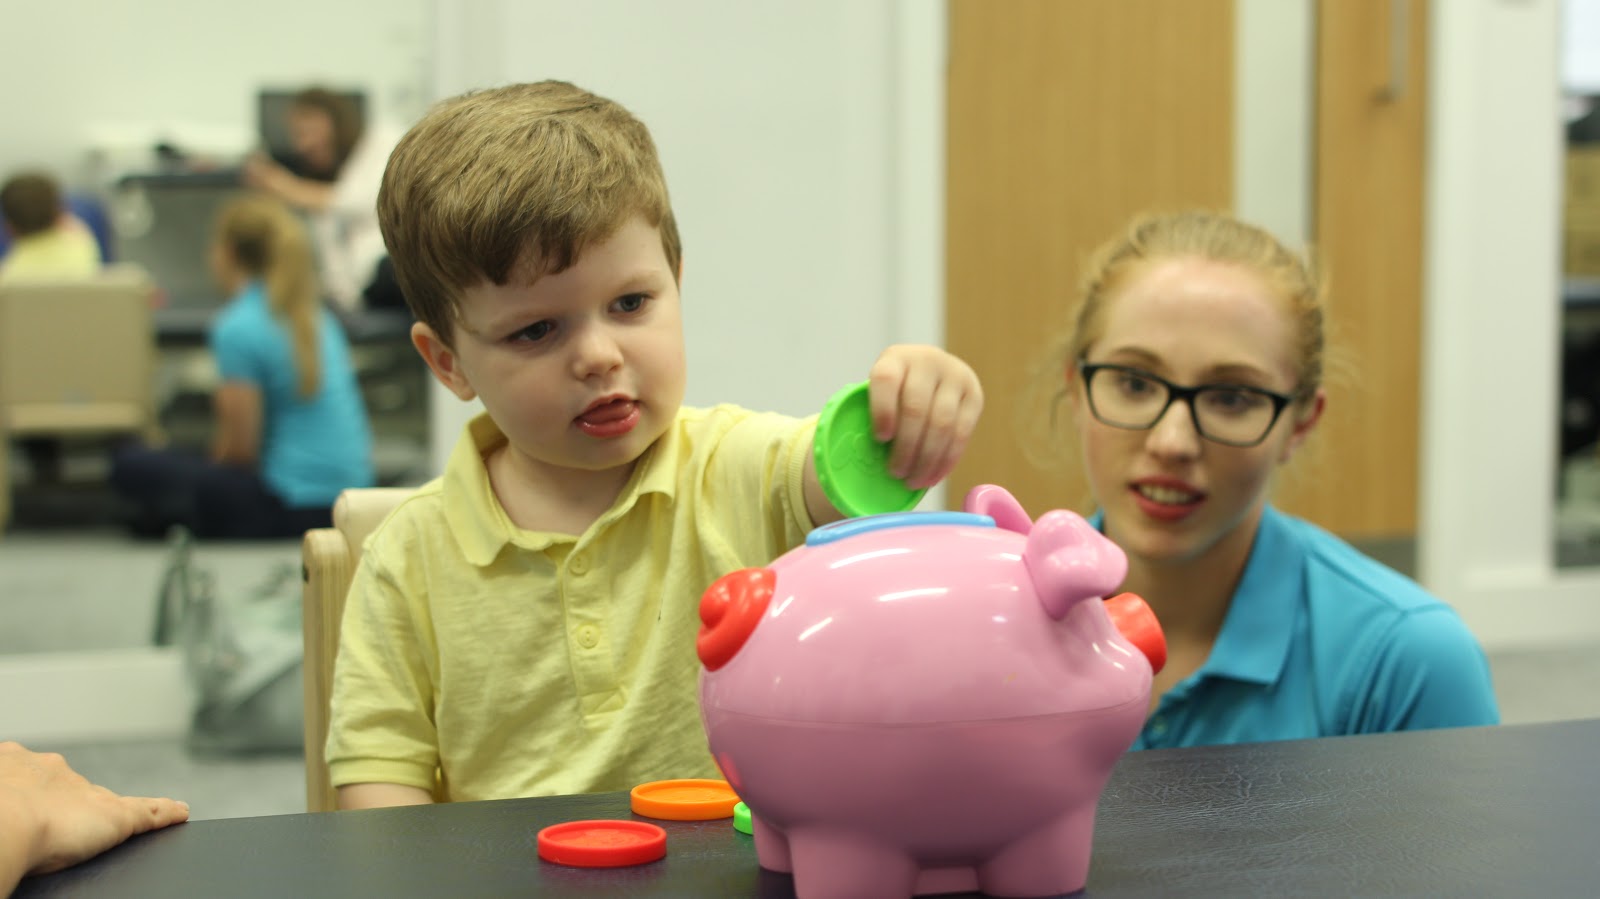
(482, 661)
(64, 252)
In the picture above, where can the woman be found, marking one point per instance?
(291, 428)
(343, 158)
(1193, 371)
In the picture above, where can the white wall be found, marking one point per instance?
(803, 145)
(84, 72)
(1274, 62)
(1491, 326)
(1580, 46)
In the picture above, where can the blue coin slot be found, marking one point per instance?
(850, 527)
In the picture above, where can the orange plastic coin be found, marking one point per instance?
(690, 799)
(602, 844)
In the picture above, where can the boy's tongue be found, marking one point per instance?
(616, 410)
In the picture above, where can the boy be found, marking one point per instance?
(47, 242)
(525, 624)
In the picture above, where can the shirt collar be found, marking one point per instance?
(478, 521)
(1258, 631)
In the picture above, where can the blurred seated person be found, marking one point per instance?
(341, 158)
(47, 242)
(291, 427)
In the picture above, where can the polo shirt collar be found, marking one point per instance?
(1258, 632)
(478, 521)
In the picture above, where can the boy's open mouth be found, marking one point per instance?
(609, 419)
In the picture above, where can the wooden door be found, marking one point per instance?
(1064, 120)
(1360, 477)
(1067, 117)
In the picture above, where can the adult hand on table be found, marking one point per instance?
(52, 817)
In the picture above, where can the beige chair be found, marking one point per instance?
(330, 556)
(76, 358)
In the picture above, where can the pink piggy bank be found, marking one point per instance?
(928, 702)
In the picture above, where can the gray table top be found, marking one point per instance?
(1511, 810)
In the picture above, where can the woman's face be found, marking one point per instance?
(311, 134)
(1170, 495)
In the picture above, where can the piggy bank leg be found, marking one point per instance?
(772, 847)
(1047, 862)
(833, 865)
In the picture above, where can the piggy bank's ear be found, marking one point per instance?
(999, 504)
(1069, 561)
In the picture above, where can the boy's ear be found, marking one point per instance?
(442, 361)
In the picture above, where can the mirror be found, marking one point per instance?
(144, 120)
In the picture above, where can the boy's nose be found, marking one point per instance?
(595, 353)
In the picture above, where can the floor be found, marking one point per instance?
(69, 584)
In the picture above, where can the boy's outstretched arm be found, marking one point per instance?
(925, 403)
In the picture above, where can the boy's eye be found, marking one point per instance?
(535, 332)
(633, 302)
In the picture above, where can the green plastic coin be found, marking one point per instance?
(741, 818)
(852, 466)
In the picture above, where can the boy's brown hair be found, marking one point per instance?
(30, 203)
(528, 171)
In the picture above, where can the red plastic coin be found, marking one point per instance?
(602, 844)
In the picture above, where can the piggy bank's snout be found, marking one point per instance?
(730, 609)
(1138, 625)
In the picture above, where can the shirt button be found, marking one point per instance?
(579, 564)
(588, 636)
(1158, 726)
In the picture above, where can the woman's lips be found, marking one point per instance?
(1166, 500)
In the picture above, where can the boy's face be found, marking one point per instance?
(581, 370)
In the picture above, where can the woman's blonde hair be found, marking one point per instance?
(268, 242)
(1149, 238)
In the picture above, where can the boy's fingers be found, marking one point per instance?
(942, 421)
(883, 393)
(917, 395)
(966, 422)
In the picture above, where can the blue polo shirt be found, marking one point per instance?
(1319, 641)
(311, 447)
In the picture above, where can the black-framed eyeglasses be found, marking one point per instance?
(1229, 414)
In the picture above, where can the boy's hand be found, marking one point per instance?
(925, 402)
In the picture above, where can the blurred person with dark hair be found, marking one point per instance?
(48, 242)
(341, 156)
